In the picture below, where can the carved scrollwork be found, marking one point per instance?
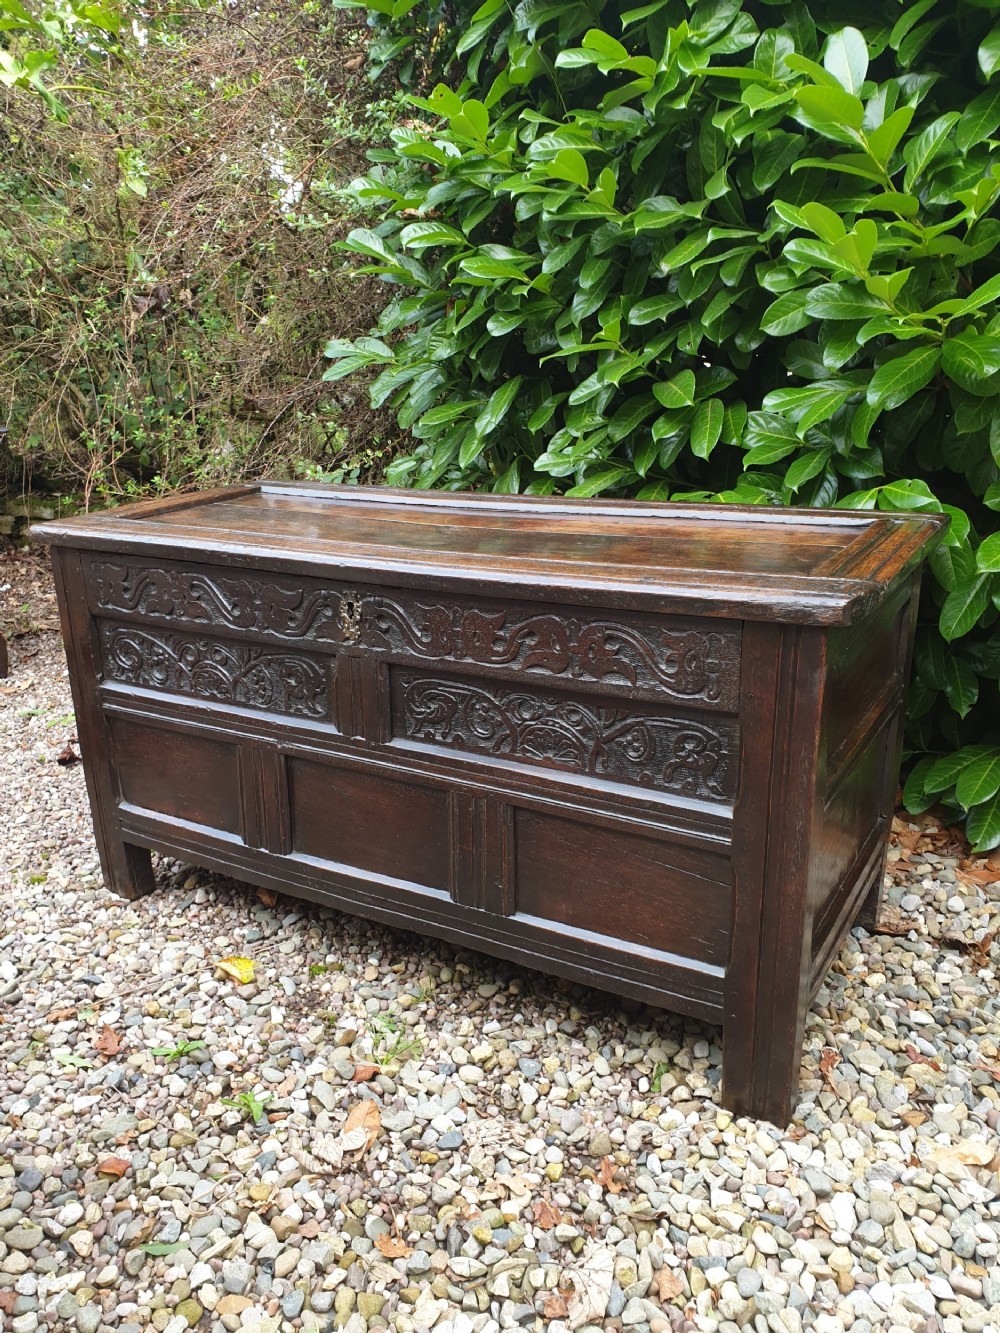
(669, 754)
(686, 663)
(228, 672)
(246, 603)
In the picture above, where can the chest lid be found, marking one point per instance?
(823, 566)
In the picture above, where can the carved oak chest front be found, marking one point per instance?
(648, 747)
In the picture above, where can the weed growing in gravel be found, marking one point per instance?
(178, 1051)
(656, 1083)
(390, 1043)
(249, 1103)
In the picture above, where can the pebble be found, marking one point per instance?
(503, 1094)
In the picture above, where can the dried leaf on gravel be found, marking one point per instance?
(555, 1306)
(362, 1126)
(892, 922)
(391, 1247)
(107, 1041)
(546, 1216)
(67, 756)
(667, 1285)
(114, 1166)
(17, 686)
(918, 1058)
(985, 874)
(591, 1285)
(954, 1159)
(828, 1062)
(237, 968)
(606, 1176)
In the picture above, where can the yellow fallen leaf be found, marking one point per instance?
(240, 969)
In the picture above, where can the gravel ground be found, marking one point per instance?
(444, 1141)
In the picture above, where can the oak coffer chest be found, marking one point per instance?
(649, 747)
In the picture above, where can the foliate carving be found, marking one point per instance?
(670, 754)
(230, 672)
(246, 603)
(686, 663)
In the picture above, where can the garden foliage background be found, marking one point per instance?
(717, 251)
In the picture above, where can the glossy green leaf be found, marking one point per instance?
(943, 773)
(979, 781)
(979, 121)
(972, 360)
(899, 379)
(706, 427)
(678, 391)
(883, 141)
(916, 798)
(963, 608)
(569, 165)
(983, 825)
(839, 301)
(988, 555)
(498, 406)
(604, 480)
(846, 58)
(653, 308)
(805, 468)
(960, 684)
(787, 314)
(988, 54)
(826, 107)
(768, 439)
(919, 153)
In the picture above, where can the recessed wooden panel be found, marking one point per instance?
(179, 774)
(861, 661)
(358, 818)
(843, 826)
(623, 885)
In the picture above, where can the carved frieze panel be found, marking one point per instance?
(242, 602)
(680, 755)
(686, 663)
(223, 671)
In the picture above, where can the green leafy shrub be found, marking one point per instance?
(714, 251)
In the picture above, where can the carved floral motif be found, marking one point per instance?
(232, 673)
(672, 754)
